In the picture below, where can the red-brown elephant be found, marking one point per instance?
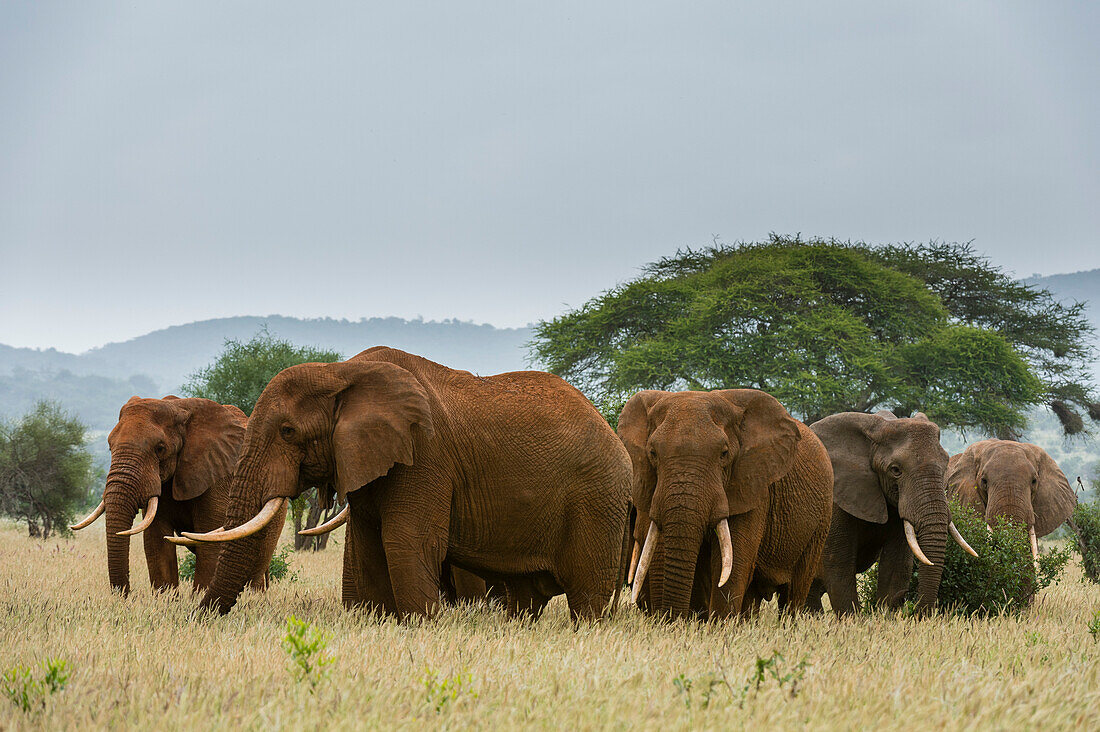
(514, 477)
(174, 458)
(735, 466)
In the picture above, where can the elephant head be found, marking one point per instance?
(883, 465)
(699, 458)
(343, 425)
(162, 447)
(1015, 480)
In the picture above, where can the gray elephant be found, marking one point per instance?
(1015, 480)
(889, 506)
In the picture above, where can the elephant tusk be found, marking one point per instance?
(911, 539)
(960, 540)
(1034, 543)
(96, 513)
(648, 548)
(333, 523)
(184, 541)
(724, 540)
(150, 513)
(257, 522)
(633, 563)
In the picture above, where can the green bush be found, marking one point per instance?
(1086, 518)
(1002, 579)
(277, 570)
(26, 692)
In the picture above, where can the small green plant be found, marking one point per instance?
(278, 569)
(772, 667)
(707, 684)
(1086, 525)
(441, 692)
(306, 646)
(1001, 579)
(1094, 626)
(26, 692)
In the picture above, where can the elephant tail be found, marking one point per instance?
(624, 558)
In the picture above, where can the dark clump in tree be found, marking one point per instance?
(238, 376)
(829, 327)
(46, 472)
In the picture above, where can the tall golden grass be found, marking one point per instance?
(144, 661)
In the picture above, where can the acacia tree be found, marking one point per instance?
(826, 327)
(46, 471)
(238, 376)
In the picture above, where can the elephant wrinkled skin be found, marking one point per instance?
(513, 477)
(173, 458)
(734, 466)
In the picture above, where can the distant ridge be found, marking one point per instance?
(160, 362)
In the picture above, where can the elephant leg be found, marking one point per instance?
(839, 560)
(206, 562)
(590, 569)
(803, 574)
(747, 531)
(414, 570)
(524, 597)
(366, 580)
(813, 597)
(160, 555)
(895, 569)
(466, 586)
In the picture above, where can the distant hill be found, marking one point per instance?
(94, 384)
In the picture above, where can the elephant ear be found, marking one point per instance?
(849, 438)
(379, 410)
(212, 438)
(634, 430)
(1053, 500)
(962, 476)
(767, 437)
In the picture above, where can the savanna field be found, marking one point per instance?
(144, 661)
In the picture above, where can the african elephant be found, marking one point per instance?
(733, 463)
(174, 458)
(889, 505)
(1016, 480)
(514, 477)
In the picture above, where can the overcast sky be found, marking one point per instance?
(168, 162)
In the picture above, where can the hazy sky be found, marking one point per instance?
(167, 162)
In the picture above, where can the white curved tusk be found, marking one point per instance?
(150, 512)
(911, 539)
(184, 541)
(1034, 543)
(257, 522)
(633, 563)
(96, 513)
(333, 523)
(724, 540)
(960, 540)
(648, 548)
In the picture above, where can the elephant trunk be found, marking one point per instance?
(1011, 503)
(130, 482)
(684, 527)
(239, 558)
(924, 504)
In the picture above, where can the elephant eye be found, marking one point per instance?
(725, 453)
(895, 471)
(160, 448)
(286, 431)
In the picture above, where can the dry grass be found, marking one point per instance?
(143, 661)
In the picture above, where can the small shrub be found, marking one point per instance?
(187, 566)
(1002, 579)
(1094, 626)
(1086, 519)
(277, 570)
(27, 692)
(306, 647)
(770, 667)
(439, 693)
(708, 685)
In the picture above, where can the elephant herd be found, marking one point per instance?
(705, 503)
